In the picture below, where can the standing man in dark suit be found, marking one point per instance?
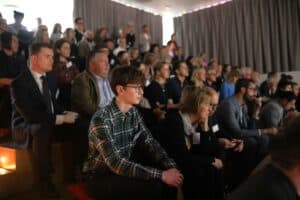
(79, 29)
(37, 116)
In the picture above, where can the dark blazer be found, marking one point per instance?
(29, 108)
(264, 90)
(174, 89)
(270, 183)
(78, 36)
(172, 138)
(155, 93)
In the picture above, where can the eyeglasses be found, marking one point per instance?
(213, 106)
(252, 88)
(137, 88)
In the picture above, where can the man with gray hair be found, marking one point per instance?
(91, 89)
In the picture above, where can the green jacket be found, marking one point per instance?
(85, 94)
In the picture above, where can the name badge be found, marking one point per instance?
(215, 128)
(57, 94)
(196, 138)
(112, 61)
(69, 64)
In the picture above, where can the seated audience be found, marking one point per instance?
(150, 60)
(268, 87)
(145, 40)
(154, 48)
(85, 47)
(284, 84)
(214, 128)
(100, 36)
(79, 28)
(11, 66)
(227, 88)
(273, 113)
(202, 60)
(156, 91)
(113, 60)
(38, 118)
(246, 72)
(198, 78)
(42, 35)
(191, 62)
(280, 179)
(130, 36)
(69, 35)
(91, 89)
(256, 79)
(295, 88)
(65, 72)
(175, 85)
(121, 46)
(233, 113)
(123, 59)
(179, 136)
(3, 26)
(225, 71)
(170, 48)
(211, 78)
(134, 55)
(56, 33)
(179, 55)
(120, 144)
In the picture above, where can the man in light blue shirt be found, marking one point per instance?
(91, 89)
(106, 93)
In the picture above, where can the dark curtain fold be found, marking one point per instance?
(98, 13)
(264, 34)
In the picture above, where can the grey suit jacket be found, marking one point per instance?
(229, 116)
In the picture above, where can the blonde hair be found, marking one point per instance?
(194, 76)
(210, 91)
(192, 99)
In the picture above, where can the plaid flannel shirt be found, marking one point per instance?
(112, 138)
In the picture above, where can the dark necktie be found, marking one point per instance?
(46, 94)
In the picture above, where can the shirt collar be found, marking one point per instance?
(98, 77)
(117, 111)
(37, 75)
(189, 128)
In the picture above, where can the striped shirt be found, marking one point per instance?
(112, 137)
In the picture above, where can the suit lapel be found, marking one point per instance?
(35, 88)
(33, 85)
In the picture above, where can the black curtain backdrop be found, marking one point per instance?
(263, 34)
(98, 13)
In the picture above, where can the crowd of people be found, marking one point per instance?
(146, 119)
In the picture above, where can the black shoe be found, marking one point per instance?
(48, 190)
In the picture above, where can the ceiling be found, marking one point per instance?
(171, 7)
(161, 7)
